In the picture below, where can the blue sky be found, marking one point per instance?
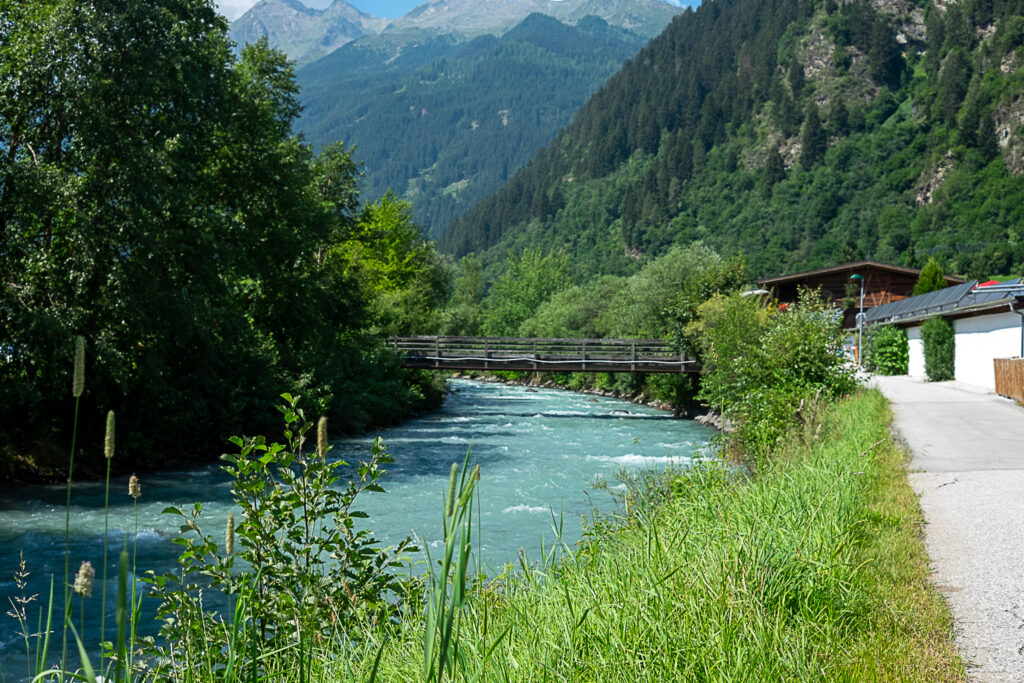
(233, 9)
(385, 8)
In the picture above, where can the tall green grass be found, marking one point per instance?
(810, 571)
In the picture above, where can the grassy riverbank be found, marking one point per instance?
(812, 569)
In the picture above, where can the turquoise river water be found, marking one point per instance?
(539, 452)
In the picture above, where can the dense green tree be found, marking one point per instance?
(465, 310)
(774, 169)
(644, 306)
(154, 200)
(935, 36)
(839, 117)
(577, 312)
(398, 269)
(931, 279)
(987, 143)
(953, 83)
(884, 56)
(814, 140)
(939, 340)
(528, 281)
(796, 76)
(111, 226)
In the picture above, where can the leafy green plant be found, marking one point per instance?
(886, 350)
(939, 349)
(763, 366)
(931, 279)
(303, 573)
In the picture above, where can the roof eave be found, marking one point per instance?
(958, 312)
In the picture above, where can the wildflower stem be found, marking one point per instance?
(67, 540)
(106, 530)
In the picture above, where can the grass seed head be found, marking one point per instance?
(321, 437)
(84, 579)
(108, 440)
(134, 488)
(78, 382)
(229, 538)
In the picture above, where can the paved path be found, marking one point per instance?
(968, 469)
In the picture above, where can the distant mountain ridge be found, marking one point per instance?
(306, 34)
(442, 122)
(478, 17)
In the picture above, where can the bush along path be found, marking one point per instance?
(968, 469)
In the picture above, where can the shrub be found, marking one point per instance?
(762, 365)
(939, 349)
(931, 279)
(303, 571)
(886, 350)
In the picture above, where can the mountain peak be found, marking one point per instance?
(306, 34)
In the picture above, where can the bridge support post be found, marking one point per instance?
(583, 356)
(534, 355)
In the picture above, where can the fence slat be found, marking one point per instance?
(1010, 378)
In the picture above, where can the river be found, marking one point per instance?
(539, 451)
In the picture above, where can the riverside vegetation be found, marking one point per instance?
(157, 204)
(802, 564)
(154, 200)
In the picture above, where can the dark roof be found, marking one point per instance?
(950, 301)
(778, 279)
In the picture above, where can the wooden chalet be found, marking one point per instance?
(883, 284)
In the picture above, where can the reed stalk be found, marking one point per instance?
(77, 387)
(108, 453)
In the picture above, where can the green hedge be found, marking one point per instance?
(886, 350)
(939, 349)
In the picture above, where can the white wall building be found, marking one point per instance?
(988, 323)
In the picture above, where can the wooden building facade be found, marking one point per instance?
(883, 283)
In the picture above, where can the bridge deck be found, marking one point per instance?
(538, 354)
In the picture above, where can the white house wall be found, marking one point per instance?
(915, 368)
(978, 341)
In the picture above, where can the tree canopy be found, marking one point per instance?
(155, 201)
(931, 279)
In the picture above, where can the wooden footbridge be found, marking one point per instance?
(538, 354)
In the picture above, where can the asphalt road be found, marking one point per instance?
(967, 467)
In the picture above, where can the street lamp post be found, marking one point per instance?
(860, 320)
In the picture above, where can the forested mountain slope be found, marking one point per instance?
(443, 123)
(797, 133)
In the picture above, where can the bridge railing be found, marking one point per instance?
(554, 354)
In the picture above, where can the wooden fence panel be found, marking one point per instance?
(1010, 378)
